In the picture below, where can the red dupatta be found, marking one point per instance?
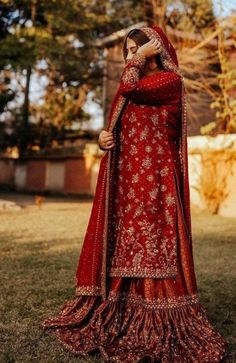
(91, 274)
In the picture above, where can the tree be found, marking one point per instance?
(195, 16)
(224, 101)
(39, 30)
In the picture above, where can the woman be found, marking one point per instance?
(136, 292)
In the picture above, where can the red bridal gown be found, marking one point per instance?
(151, 311)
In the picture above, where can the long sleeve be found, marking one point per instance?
(160, 87)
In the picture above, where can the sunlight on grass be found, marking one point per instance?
(39, 254)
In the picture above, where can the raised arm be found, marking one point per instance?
(158, 88)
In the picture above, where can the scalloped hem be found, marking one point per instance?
(130, 332)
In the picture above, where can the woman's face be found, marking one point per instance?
(131, 47)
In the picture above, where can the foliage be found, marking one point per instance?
(217, 166)
(224, 100)
(192, 16)
(57, 33)
(60, 35)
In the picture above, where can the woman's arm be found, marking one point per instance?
(160, 87)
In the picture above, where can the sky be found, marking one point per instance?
(224, 7)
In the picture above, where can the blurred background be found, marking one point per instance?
(60, 64)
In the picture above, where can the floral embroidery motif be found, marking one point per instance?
(155, 119)
(135, 178)
(139, 210)
(153, 193)
(163, 187)
(150, 177)
(164, 171)
(170, 200)
(148, 148)
(128, 208)
(131, 193)
(164, 112)
(132, 132)
(133, 150)
(168, 217)
(129, 166)
(159, 134)
(144, 133)
(152, 209)
(147, 162)
(133, 117)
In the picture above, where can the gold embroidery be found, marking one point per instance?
(141, 271)
(164, 171)
(170, 199)
(129, 166)
(133, 150)
(131, 193)
(147, 162)
(158, 303)
(150, 177)
(130, 76)
(135, 178)
(87, 290)
(153, 193)
(155, 119)
(148, 148)
(132, 132)
(144, 133)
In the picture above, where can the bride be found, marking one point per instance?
(136, 294)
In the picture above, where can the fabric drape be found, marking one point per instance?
(135, 284)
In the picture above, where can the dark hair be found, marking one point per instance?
(140, 38)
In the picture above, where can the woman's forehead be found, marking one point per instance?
(130, 43)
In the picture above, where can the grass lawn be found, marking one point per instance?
(39, 250)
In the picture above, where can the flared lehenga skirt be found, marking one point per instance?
(143, 319)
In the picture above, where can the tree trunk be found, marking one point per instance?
(24, 139)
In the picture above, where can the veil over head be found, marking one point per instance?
(168, 53)
(96, 244)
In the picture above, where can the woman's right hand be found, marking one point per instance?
(106, 140)
(151, 48)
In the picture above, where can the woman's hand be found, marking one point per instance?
(105, 139)
(150, 48)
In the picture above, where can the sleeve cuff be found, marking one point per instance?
(138, 60)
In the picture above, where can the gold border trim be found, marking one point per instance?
(87, 290)
(158, 303)
(149, 273)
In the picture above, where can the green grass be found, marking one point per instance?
(39, 250)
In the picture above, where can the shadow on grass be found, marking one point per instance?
(38, 276)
